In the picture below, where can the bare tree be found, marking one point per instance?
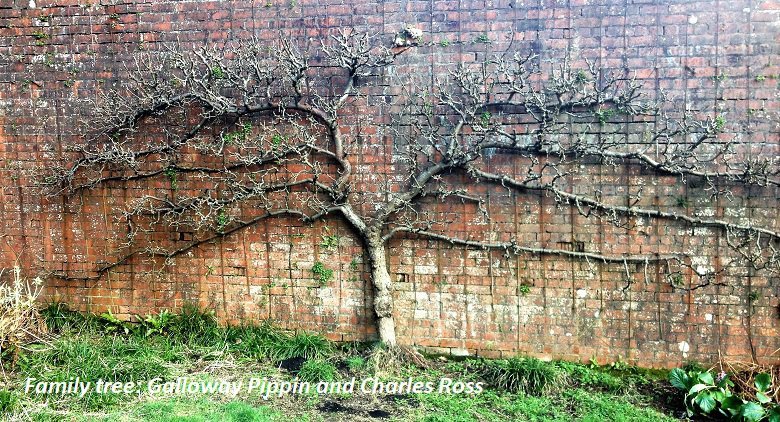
(246, 131)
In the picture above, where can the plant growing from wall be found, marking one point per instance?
(287, 153)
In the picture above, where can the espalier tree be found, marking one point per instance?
(248, 131)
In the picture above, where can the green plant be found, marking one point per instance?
(444, 43)
(315, 370)
(157, 324)
(482, 39)
(322, 274)
(707, 395)
(592, 376)
(8, 401)
(172, 174)
(330, 241)
(238, 135)
(59, 317)
(760, 78)
(95, 357)
(484, 119)
(720, 77)
(277, 140)
(529, 375)
(718, 124)
(301, 345)
(222, 220)
(40, 37)
(356, 363)
(603, 115)
(524, 289)
(113, 324)
(196, 326)
(682, 201)
(217, 72)
(581, 77)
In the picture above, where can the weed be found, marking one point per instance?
(444, 43)
(315, 370)
(8, 401)
(238, 135)
(356, 363)
(760, 78)
(40, 37)
(113, 324)
(157, 324)
(330, 241)
(222, 220)
(482, 39)
(111, 358)
(753, 296)
(720, 77)
(581, 77)
(592, 377)
(529, 375)
(682, 202)
(718, 124)
(484, 119)
(20, 321)
(603, 115)
(60, 318)
(524, 289)
(173, 175)
(217, 72)
(321, 274)
(302, 345)
(195, 326)
(353, 264)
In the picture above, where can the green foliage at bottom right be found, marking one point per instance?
(710, 395)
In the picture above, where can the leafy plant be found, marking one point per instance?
(603, 115)
(217, 72)
(707, 395)
(158, 324)
(7, 401)
(484, 119)
(113, 324)
(322, 274)
(238, 135)
(524, 289)
(330, 241)
(172, 174)
(277, 140)
(718, 124)
(222, 220)
(482, 39)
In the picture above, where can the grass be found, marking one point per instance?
(193, 345)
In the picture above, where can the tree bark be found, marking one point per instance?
(383, 291)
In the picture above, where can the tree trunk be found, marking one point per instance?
(383, 291)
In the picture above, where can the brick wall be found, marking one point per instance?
(714, 54)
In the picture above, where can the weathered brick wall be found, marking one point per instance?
(714, 54)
